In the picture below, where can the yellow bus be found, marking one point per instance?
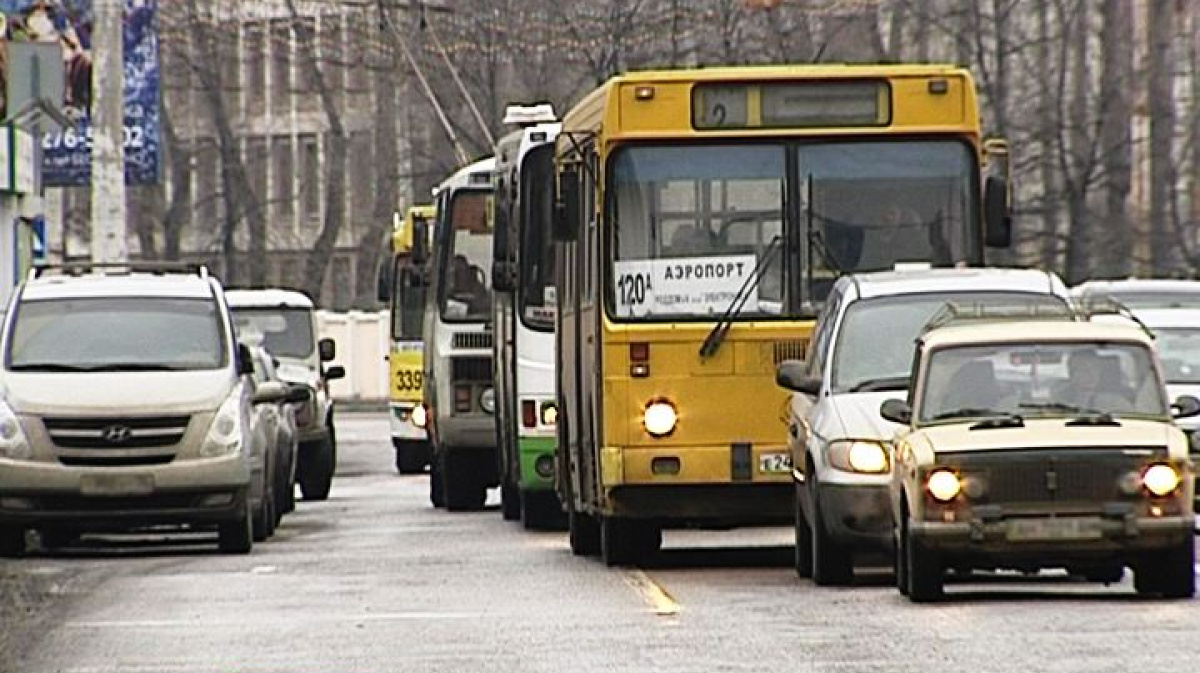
(702, 217)
(406, 358)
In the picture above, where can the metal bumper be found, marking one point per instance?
(1089, 536)
(715, 505)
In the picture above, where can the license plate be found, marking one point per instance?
(1053, 529)
(775, 463)
(116, 484)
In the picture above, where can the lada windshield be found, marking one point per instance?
(283, 332)
(116, 334)
(1179, 349)
(1032, 380)
(875, 341)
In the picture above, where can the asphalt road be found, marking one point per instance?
(376, 580)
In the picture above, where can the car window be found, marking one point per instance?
(285, 332)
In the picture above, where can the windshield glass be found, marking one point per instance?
(466, 295)
(284, 332)
(1179, 349)
(408, 301)
(117, 333)
(1041, 379)
(861, 357)
(874, 204)
(537, 296)
(689, 226)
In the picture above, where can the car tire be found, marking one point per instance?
(804, 554)
(316, 478)
(511, 501)
(264, 518)
(540, 510)
(12, 542)
(900, 560)
(236, 536)
(463, 489)
(626, 542)
(923, 569)
(1169, 573)
(583, 532)
(832, 562)
(411, 457)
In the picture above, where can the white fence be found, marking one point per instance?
(362, 348)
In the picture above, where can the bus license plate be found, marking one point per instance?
(775, 463)
(116, 484)
(1053, 529)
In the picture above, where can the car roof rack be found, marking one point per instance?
(953, 313)
(76, 269)
(1089, 307)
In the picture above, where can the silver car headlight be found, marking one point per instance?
(861, 456)
(225, 434)
(13, 442)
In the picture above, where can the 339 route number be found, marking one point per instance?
(409, 379)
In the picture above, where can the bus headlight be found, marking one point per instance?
(944, 485)
(1161, 479)
(549, 413)
(487, 400)
(858, 456)
(418, 416)
(660, 418)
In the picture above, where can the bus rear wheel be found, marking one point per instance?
(627, 541)
(583, 531)
(464, 490)
(540, 510)
(412, 457)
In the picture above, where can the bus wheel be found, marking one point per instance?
(540, 510)
(463, 490)
(437, 496)
(626, 541)
(511, 501)
(411, 456)
(583, 531)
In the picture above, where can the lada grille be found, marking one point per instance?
(1052, 476)
(471, 369)
(472, 340)
(116, 441)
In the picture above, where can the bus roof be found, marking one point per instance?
(475, 175)
(513, 147)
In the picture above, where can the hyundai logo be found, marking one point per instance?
(117, 434)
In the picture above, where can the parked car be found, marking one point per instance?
(274, 426)
(1077, 467)
(287, 323)
(1140, 293)
(861, 354)
(124, 402)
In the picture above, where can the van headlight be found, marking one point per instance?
(859, 456)
(13, 442)
(225, 433)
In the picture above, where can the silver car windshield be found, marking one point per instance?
(117, 334)
(863, 355)
(1041, 379)
(284, 332)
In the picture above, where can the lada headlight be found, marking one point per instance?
(660, 418)
(1161, 479)
(225, 434)
(944, 485)
(859, 456)
(13, 442)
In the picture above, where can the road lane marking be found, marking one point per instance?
(191, 623)
(658, 597)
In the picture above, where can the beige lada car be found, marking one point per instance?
(1032, 445)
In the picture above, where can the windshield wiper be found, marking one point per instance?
(990, 417)
(712, 342)
(1085, 417)
(881, 383)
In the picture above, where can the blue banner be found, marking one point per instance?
(68, 158)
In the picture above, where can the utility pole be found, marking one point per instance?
(108, 133)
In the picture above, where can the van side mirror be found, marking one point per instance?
(566, 205)
(896, 411)
(270, 392)
(420, 243)
(504, 276)
(327, 349)
(793, 375)
(245, 360)
(297, 394)
(385, 280)
(997, 218)
(335, 372)
(1185, 406)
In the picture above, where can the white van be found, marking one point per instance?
(124, 402)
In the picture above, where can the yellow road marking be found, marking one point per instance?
(658, 598)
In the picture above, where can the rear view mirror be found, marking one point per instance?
(384, 281)
(1185, 406)
(896, 411)
(566, 206)
(420, 249)
(245, 360)
(998, 219)
(335, 372)
(327, 349)
(270, 392)
(297, 395)
(793, 375)
(504, 276)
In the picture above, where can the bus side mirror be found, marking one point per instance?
(997, 218)
(420, 244)
(566, 206)
(327, 349)
(504, 276)
(384, 281)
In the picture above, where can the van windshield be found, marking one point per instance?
(116, 334)
(284, 332)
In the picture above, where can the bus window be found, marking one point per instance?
(538, 296)
(466, 296)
